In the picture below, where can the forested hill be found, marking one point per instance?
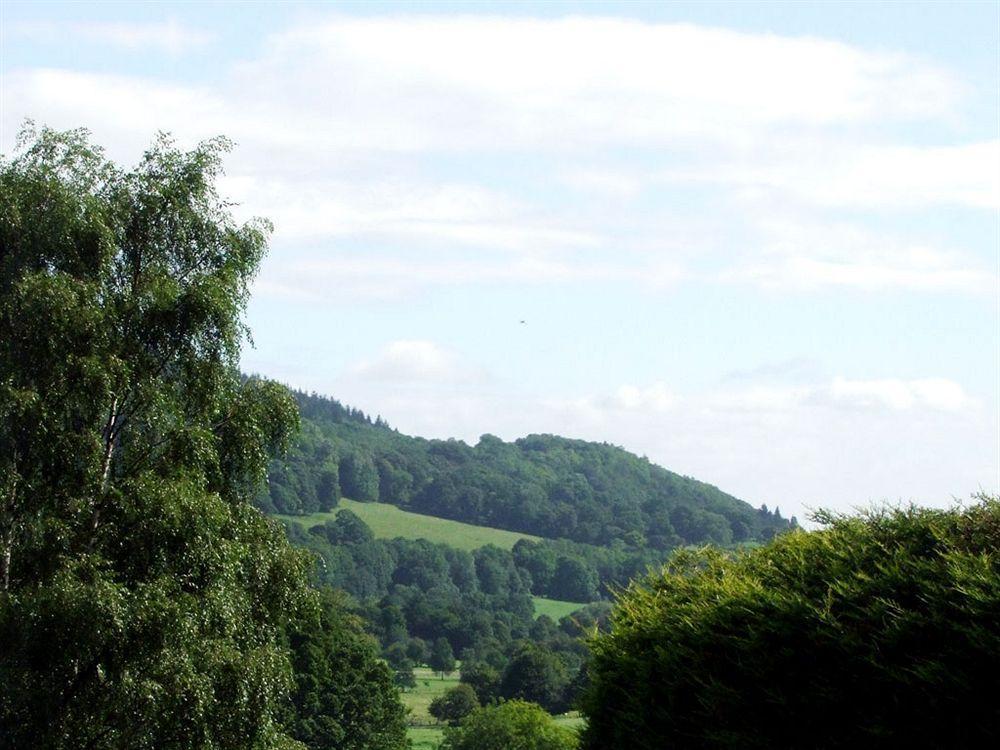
(550, 486)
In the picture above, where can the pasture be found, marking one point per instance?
(388, 522)
(425, 738)
(424, 731)
(555, 608)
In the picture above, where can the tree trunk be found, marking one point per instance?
(8, 548)
(110, 438)
(110, 434)
(7, 533)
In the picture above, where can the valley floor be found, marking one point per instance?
(424, 731)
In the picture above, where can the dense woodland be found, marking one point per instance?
(417, 596)
(544, 485)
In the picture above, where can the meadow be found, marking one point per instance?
(388, 522)
(554, 608)
(424, 731)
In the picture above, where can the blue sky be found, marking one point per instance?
(756, 242)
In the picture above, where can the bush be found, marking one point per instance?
(404, 677)
(882, 630)
(514, 725)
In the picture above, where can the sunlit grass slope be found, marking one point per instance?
(388, 522)
(554, 608)
(424, 731)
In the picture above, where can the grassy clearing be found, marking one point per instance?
(425, 738)
(554, 608)
(388, 521)
(571, 720)
(429, 686)
(424, 732)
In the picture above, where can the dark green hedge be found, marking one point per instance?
(881, 630)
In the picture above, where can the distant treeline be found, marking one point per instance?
(544, 485)
(351, 559)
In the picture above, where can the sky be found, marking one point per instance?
(758, 243)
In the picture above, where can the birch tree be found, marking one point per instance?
(141, 597)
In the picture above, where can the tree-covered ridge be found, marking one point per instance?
(545, 485)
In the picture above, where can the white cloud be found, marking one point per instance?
(760, 398)
(902, 177)
(839, 393)
(607, 182)
(124, 111)
(794, 370)
(896, 394)
(656, 397)
(461, 82)
(416, 361)
(831, 174)
(811, 273)
(337, 121)
(453, 213)
(390, 84)
(169, 36)
(350, 276)
(802, 254)
(625, 402)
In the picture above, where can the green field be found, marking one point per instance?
(425, 738)
(429, 686)
(554, 608)
(388, 522)
(429, 738)
(572, 720)
(424, 731)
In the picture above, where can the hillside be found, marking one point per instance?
(501, 554)
(388, 522)
(541, 485)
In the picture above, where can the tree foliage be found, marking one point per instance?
(358, 477)
(880, 630)
(442, 658)
(143, 600)
(573, 581)
(511, 725)
(418, 596)
(483, 678)
(344, 697)
(403, 676)
(455, 704)
(544, 485)
(537, 675)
